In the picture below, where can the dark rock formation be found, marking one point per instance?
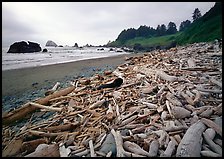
(44, 50)
(76, 45)
(24, 47)
(51, 43)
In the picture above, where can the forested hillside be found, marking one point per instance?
(203, 29)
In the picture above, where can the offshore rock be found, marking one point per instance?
(51, 43)
(24, 47)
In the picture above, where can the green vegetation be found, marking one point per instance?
(154, 41)
(203, 29)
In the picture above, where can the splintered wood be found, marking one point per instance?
(169, 105)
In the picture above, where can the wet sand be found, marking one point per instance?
(19, 80)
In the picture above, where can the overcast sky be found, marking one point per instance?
(67, 23)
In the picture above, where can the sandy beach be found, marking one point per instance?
(20, 80)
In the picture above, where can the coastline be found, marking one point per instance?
(18, 80)
(19, 85)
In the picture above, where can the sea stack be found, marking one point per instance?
(24, 47)
(51, 43)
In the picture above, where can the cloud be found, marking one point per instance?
(94, 23)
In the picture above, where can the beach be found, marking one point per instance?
(19, 80)
(21, 83)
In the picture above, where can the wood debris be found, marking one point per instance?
(168, 105)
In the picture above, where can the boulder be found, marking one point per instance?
(24, 47)
(51, 43)
(44, 50)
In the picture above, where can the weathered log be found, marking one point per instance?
(207, 153)
(92, 152)
(180, 112)
(216, 148)
(212, 125)
(21, 112)
(153, 149)
(30, 146)
(12, 148)
(165, 76)
(97, 104)
(169, 150)
(133, 147)
(50, 91)
(45, 107)
(44, 150)
(190, 145)
(191, 62)
(119, 146)
(211, 133)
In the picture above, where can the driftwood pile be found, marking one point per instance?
(169, 104)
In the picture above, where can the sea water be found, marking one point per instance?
(54, 55)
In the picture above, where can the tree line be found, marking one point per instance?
(161, 30)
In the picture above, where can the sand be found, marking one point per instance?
(18, 81)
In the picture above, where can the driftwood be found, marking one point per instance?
(212, 125)
(26, 109)
(169, 150)
(207, 153)
(44, 150)
(153, 149)
(132, 147)
(119, 146)
(210, 132)
(216, 148)
(160, 107)
(190, 145)
(165, 76)
(50, 91)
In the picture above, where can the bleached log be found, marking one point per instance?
(119, 146)
(109, 154)
(92, 153)
(44, 150)
(218, 141)
(190, 145)
(207, 153)
(169, 150)
(45, 107)
(218, 83)
(165, 76)
(169, 109)
(216, 148)
(153, 148)
(191, 63)
(212, 125)
(80, 154)
(180, 112)
(52, 90)
(128, 120)
(211, 133)
(173, 100)
(133, 147)
(187, 98)
(207, 113)
(109, 113)
(97, 104)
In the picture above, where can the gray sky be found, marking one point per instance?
(67, 23)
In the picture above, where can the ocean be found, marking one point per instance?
(54, 55)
